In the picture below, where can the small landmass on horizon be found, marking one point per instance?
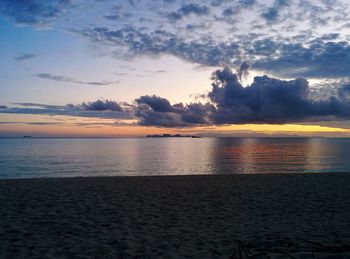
(172, 136)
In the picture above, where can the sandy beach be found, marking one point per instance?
(227, 216)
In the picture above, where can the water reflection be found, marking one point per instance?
(325, 155)
(258, 155)
(173, 156)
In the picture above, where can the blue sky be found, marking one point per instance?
(173, 65)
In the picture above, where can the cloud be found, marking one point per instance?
(288, 38)
(104, 109)
(67, 79)
(56, 77)
(272, 13)
(159, 71)
(25, 56)
(229, 12)
(321, 57)
(188, 9)
(40, 105)
(163, 42)
(31, 123)
(270, 100)
(101, 105)
(318, 60)
(157, 111)
(118, 13)
(247, 3)
(156, 103)
(50, 123)
(243, 70)
(34, 12)
(266, 101)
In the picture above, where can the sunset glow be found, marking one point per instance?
(120, 68)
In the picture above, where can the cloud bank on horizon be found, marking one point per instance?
(285, 38)
(266, 101)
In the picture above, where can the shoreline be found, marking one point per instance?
(196, 216)
(176, 176)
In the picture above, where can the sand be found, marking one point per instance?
(227, 216)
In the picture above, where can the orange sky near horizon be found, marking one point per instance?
(64, 126)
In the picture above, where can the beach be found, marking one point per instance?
(211, 216)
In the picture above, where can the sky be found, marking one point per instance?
(108, 68)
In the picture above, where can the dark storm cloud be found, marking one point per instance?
(266, 100)
(243, 70)
(188, 9)
(269, 100)
(103, 105)
(289, 54)
(157, 111)
(67, 79)
(25, 56)
(33, 12)
(156, 103)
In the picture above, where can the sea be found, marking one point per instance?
(85, 157)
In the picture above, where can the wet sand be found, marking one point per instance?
(227, 216)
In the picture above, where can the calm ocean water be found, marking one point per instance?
(27, 158)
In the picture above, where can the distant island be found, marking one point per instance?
(172, 136)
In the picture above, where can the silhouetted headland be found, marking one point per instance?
(172, 136)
